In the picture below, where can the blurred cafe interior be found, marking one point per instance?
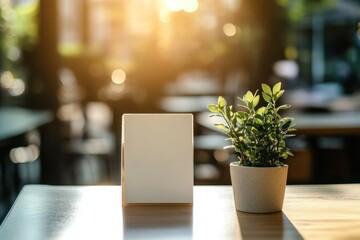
(70, 69)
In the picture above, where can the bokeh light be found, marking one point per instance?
(14, 53)
(190, 6)
(17, 88)
(118, 76)
(6, 79)
(14, 86)
(286, 69)
(24, 154)
(174, 5)
(229, 29)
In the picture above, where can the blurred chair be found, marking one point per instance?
(92, 154)
(87, 139)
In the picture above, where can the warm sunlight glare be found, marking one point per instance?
(89, 215)
(164, 16)
(174, 5)
(188, 6)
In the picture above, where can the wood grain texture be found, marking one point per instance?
(324, 211)
(96, 212)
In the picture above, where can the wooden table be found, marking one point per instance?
(96, 212)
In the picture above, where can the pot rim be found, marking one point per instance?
(235, 164)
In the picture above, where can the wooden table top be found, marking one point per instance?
(96, 212)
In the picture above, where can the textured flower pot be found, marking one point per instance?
(258, 189)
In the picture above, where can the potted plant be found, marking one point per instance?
(257, 136)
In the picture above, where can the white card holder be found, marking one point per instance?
(157, 159)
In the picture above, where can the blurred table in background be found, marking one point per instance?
(15, 121)
(320, 124)
(340, 129)
(314, 127)
(176, 104)
(20, 148)
(308, 123)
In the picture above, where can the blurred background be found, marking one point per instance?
(70, 69)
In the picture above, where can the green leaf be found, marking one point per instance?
(233, 120)
(221, 127)
(285, 106)
(256, 134)
(289, 135)
(249, 96)
(288, 119)
(256, 101)
(250, 105)
(266, 89)
(279, 94)
(221, 102)
(240, 120)
(266, 97)
(260, 110)
(286, 124)
(289, 153)
(228, 111)
(259, 116)
(259, 121)
(213, 108)
(242, 114)
(229, 147)
(276, 88)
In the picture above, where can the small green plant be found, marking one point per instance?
(257, 134)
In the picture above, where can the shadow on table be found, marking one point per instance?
(151, 222)
(271, 226)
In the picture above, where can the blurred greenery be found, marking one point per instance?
(19, 27)
(297, 9)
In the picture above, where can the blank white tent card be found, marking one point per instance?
(157, 158)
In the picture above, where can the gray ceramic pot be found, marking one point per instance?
(258, 189)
